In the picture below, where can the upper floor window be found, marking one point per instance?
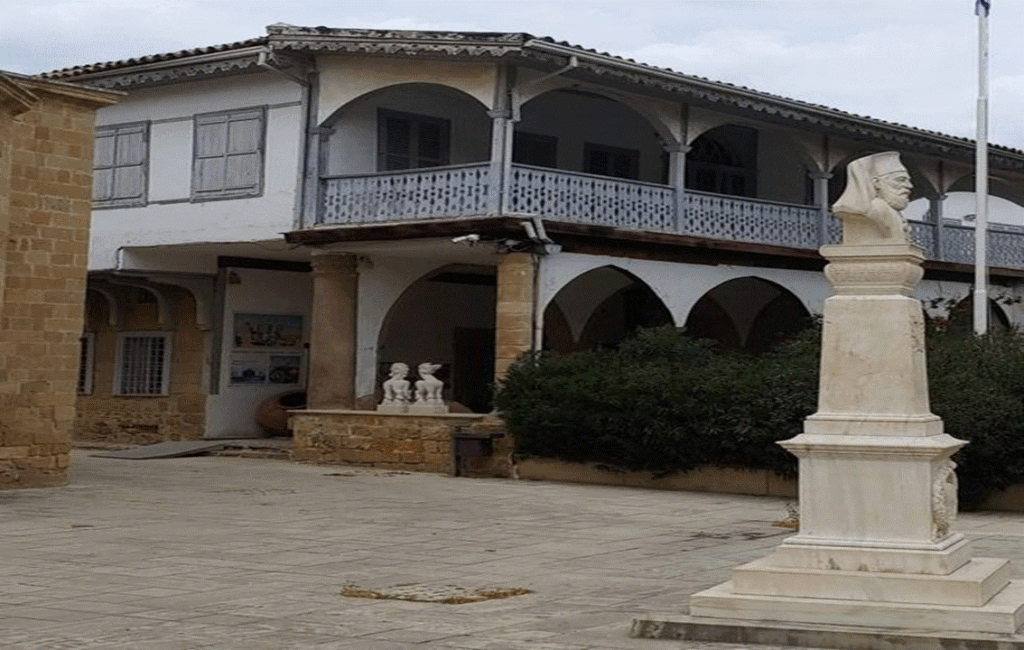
(227, 157)
(408, 141)
(535, 149)
(724, 161)
(611, 161)
(119, 165)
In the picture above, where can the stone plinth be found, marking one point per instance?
(876, 546)
(403, 441)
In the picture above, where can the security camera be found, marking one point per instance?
(466, 239)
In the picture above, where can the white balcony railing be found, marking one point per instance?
(465, 191)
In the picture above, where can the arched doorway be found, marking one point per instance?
(748, 314)
(446, 317)
(599, 309)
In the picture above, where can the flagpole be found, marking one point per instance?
(981, 177)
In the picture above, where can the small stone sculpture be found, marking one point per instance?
(428, 391)
(877, 190)
(396, 390)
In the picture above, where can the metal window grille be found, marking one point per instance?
(143, 361)
(85, 363)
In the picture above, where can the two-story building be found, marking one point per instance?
(308, 207)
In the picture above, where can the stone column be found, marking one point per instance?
(937, 204)
(332, 333)
(501, 156)
(820, 180)
(515, 311)
(677, 178)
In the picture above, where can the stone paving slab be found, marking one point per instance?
(227, 553)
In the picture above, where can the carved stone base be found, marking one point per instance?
(428, 409)
(392, 408)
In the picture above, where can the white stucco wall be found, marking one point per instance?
(170, 217)
(232, 411)
(343, 79)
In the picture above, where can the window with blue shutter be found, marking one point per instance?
(120, 158)
(228, 154)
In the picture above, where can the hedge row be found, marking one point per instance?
(666, 403)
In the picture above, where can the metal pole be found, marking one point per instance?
(981, 180)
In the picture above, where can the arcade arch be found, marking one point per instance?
(406, 126)
(749, 314)
(599, 308)
(585, 132)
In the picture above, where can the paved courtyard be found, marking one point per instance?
(235, 553)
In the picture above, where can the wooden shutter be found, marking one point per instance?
(119, 165)
(228, 157)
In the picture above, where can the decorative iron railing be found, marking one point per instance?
(590, 199)
(761, 222)
(434, 193)
(464, 191)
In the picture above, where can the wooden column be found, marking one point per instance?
(514, 318)
(332, 335)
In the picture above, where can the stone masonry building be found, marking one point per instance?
(46, 142)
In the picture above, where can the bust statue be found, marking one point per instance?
(877, 190)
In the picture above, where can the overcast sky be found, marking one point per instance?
(907, 61)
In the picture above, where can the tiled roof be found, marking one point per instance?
(105, 66)
(519, 45)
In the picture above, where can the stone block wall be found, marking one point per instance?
(420, 443)
(46, 169)
(142, 419)
(514, 310)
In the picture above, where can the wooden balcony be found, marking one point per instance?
(468, 191)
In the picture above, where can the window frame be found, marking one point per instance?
(416, 119)
(164, 371)
(228, 116)
(86, 363)
(632, 156)
(116, 130)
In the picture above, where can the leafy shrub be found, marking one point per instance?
(665, 403)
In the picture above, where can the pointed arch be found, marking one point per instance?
(599, 308)
(749, 313)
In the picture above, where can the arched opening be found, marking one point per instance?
(406, 126)
(724, 161)
(748, 314)
(584, 132)
(599, 309)
(446, 317)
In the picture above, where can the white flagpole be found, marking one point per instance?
(981, 178)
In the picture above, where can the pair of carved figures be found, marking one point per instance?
(398, 393)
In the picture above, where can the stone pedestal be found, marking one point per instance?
(876, 546)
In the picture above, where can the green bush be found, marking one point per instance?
(665, 403)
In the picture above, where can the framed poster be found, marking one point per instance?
(248, 368)
(284, 368)
(268, 331)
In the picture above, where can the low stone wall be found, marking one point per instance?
(421, 443)
(705, 479)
